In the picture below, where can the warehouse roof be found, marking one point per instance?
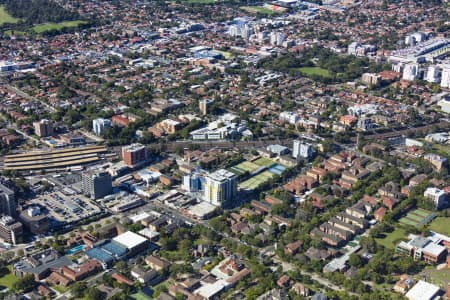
(130, 239)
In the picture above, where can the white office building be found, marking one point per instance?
(365, 123)
(277, 38)
(432, 74)
(444, 104)
(289, 117)
(445, 78)
(415, 38)
(302, 150)
(438, 196)
(99, 125)
(410, 72)
(221, 188)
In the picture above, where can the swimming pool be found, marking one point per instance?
(75, 249)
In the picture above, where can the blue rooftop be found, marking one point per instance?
(114, 249)
(99, 254)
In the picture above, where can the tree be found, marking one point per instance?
(94, 293)
(77, 289)
(24, 284)
(121, 266)
(354, 260)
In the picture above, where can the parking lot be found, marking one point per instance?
(67, 208)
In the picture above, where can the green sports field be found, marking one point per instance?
(5, 17)
(315, 71)
(55, 26)
(258, 9)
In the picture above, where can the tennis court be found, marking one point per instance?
(265, 162)
(247, 166)
(407, 221)
(417, 217)
(256, 181)
(277, 169)
(421, 212)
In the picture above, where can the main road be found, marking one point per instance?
(27, 96)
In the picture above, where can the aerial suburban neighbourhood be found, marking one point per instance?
(225, 149)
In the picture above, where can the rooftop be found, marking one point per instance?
(222, 175)
(422, 291)
(130, 239)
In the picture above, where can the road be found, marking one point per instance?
(12, 126)
(261, 251)
(323, 281)
(26, 96)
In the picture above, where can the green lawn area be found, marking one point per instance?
(14, 32)
(61, 289)
(5, 17)
(50, 26)
(438, 277)
(440, 225)
(443, 150)
(226, 55)
(8, 279)
(258, 9)
(140, 296)
(392, 238)
(315, 71)
(200, 1)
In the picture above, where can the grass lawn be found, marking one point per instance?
(14, 32)
(391, 239)
(200, 1)
(50, 26)
(258, 9)
(226, 55)
(8, 279)
(315, 71)
(140, 296)
(5, 17)
(438, 277)
(443, 150)
(440, 225)
(61, 289)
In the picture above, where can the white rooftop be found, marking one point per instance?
(139, 217)
(422, 291)
(221, 175)
(149, 233)
(434, 249)
(130, 239)
(209, 290)
(202, 209)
